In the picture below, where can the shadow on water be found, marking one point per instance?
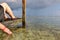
(36, 29)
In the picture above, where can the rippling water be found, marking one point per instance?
(38, 28)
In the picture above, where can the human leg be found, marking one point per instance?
(8, 10)
(3, 27)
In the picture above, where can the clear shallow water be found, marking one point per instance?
(41, 25)
(38, 28)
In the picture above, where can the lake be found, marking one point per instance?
(42, 24)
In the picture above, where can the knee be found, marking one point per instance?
(4, 3)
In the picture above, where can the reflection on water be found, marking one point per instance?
(39, 28)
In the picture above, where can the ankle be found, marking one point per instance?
(13, 17)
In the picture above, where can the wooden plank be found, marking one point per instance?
(23, 13)
(12, 23)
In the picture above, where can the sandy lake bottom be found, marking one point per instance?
(35, 30)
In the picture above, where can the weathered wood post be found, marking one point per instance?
(23, 13)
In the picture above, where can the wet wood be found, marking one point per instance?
(23, 13)
(12, 23)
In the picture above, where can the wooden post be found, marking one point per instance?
(23, 13)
